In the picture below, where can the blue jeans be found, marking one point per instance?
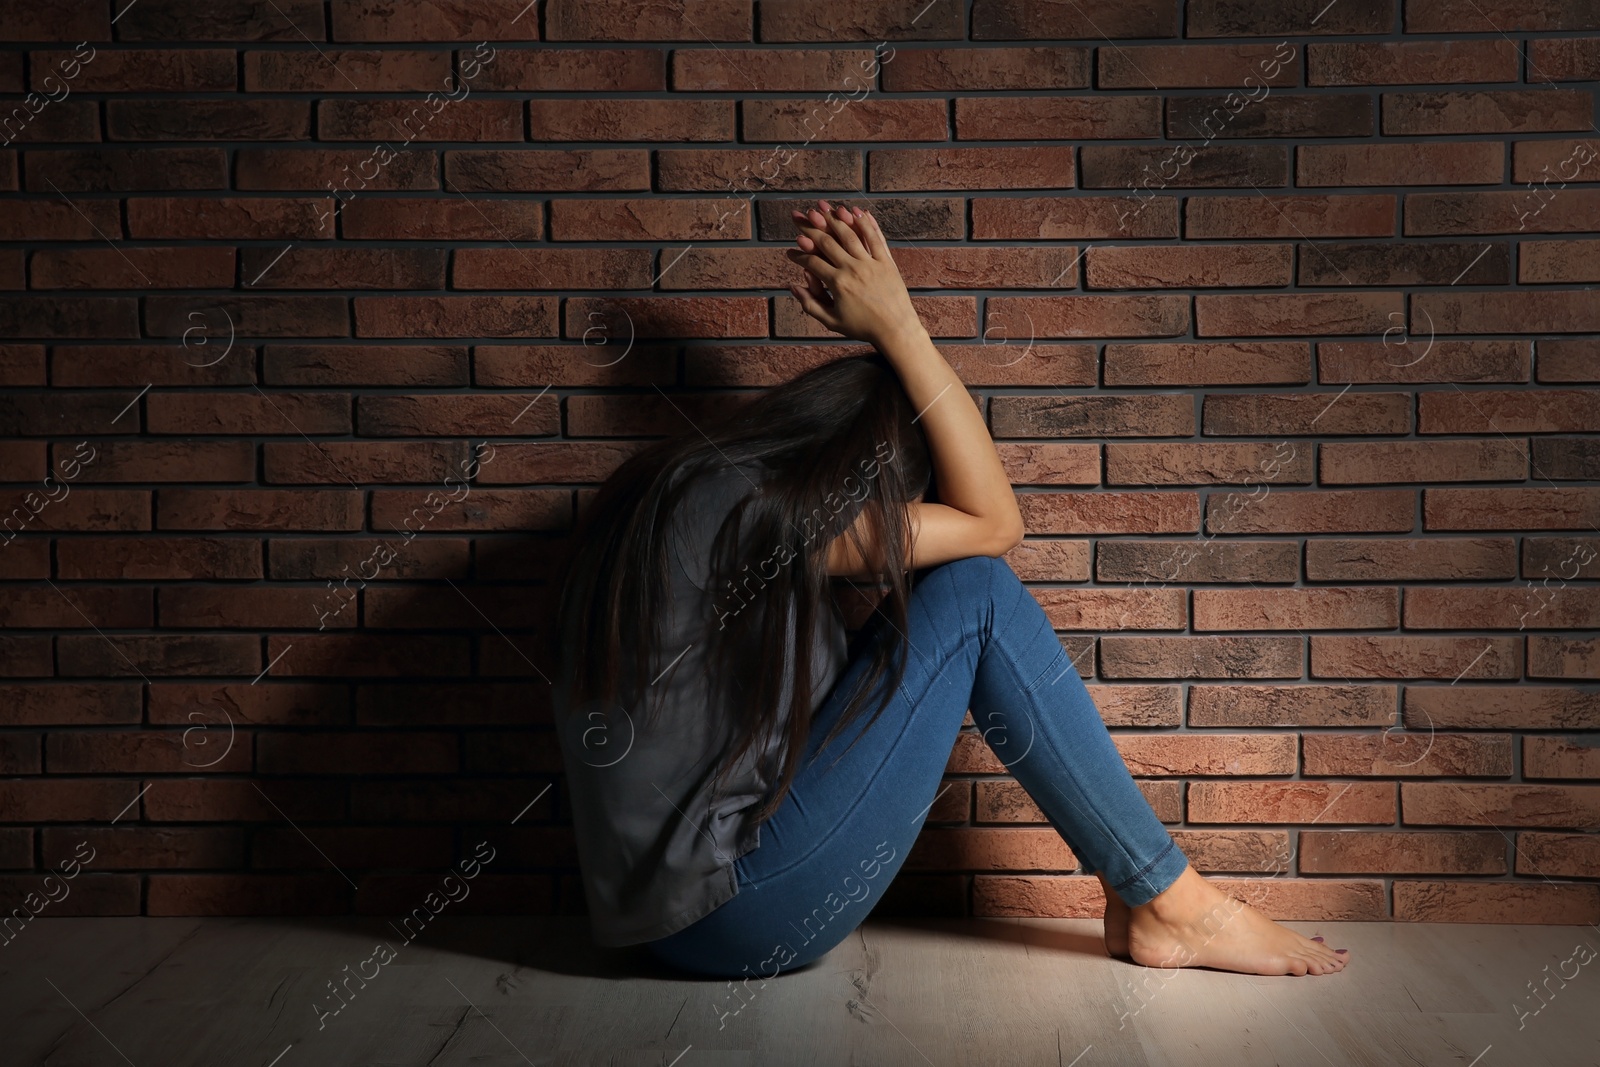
(979, 640)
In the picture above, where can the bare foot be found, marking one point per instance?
(1117, 914)
(1194, 924)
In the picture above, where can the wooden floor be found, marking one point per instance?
(481, 991)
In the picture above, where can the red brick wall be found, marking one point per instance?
(1281, 314)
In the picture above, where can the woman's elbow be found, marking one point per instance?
(1007, 538)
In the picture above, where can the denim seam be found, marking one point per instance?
(1142, 871)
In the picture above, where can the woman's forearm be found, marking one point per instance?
(966, 467)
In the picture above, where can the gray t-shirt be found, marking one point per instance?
(656, 842)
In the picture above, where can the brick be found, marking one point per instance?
(158, 558)
(333, 462)
(72, 21)
(1511, 509)
(207, 120)
(1497, 16)
(632, 120)
(733, 316)
(1178, 267)
(1560, 311)
(1213, 363)
(1197, 66)
(71, 704)
(73, 317)
(1390, 754)
(419, 703)
(1544, 262)
(259, 509)
(487, 509)
(1412, 62)
(455, 415)
(1113, 609)
(553, 170)
(1509, 411)
(1050, 560)
(1559, 160)
(1511, 211)
(951, 167)
(433, 20)
(1295, 414)
(1188, 562)
(1370, 362)
(1410, 559)
(1050, 464)
(76, 120)
(1201, 657)
(1401, 852)
(770, 70)
(1092, 416)
(990, 849)
(1304, 217)
(572, 365)
(139, 70)
(1494, 902)
(455, 316)
(1333, 803)
(1026, 19)
(1414, 263)
(1208, 166)
(142, 365)
(812, 120)
(1558, 855)
(88, 511)
(390, 655)
(1242, 115)
(341, 171)
(616, 416)
(263, 316)
(26, 657)
(636, 70)
(173, 655)
(42, 220)
(225, 218)
(1496, 608)
(1454, 658)
(902, 218)
(1291, 705)
(1560, 558)
(125, 170)
(1108, 513)
(312, 558)
(132, 268)
(1560, 657)
(1563, 59)
(417, 120)
(338, 70)
(1087, 316)
(501, 268)
(1208, 754)
(958, 69)
(1459, 163)
(1138, 705)
(144, 752)
(1569, 360)
(357, 753)
(746, 170)
(1204, 463)
(1560, 757)
(1500, 805)
(1070, 218)
(166, 461)
(198, 20)
(388, 219)
(52, 413)
(651, 219)
(891, 20)
(1312, 511)
(1355, 608)
(118, 607)
(1489, 707)
(353, 847)
(1389, 462)
(343, 268)
(1486, 111)
(1002, 118)
(689, 20)
(1257, 314)
(138, 847)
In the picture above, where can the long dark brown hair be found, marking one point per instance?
(838, 440)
